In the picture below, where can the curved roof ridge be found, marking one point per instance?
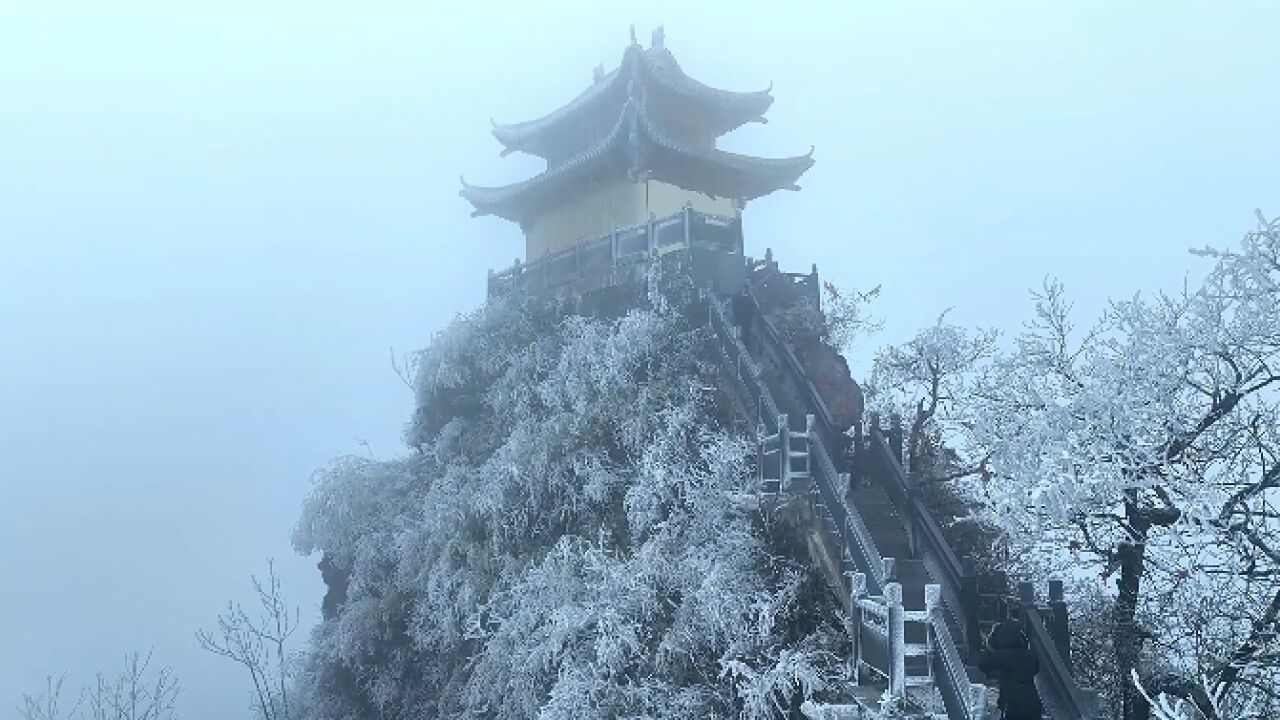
(658, 66)
(662, 66)
(479, 195)
(512, 133)
(659, 138)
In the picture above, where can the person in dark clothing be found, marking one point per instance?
(1009, 658)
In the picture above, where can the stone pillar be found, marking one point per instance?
(897, 639)
(969, 606)
(784, 454)
(857, 591)
(895, 436)
(1059, 629)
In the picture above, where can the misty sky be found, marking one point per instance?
(217, 218)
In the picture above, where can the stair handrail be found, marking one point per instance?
(779, 348)
(964, 700)
(853, 536)
(855, 540)
(853, 530)
(813, 403)
(1066, 696)
(927, 535)
(737, 353)
(1055, 675)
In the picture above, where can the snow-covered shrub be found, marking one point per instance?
(561, 543)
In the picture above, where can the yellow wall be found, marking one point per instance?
(666, 199)
(585, 217)
(612, 206)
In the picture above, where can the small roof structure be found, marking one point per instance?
(645, 119)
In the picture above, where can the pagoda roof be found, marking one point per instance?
(711, 111)
(636, 148)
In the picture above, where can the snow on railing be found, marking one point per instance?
(879, 645)
(964, 700)
(879, 633)
(854, 535)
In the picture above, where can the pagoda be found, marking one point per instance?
(636, 146)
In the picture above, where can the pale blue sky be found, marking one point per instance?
(217, 217)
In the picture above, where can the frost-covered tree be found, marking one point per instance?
(137, 692)
(1148, 450)
(926, 377)
(257, 642)
(49, 704)
(561, 542)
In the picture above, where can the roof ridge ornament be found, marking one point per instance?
(633, 34)
(597, 74)
(658, 39)
(636, 81)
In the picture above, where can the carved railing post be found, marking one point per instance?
(896, 628)
(895, 437)
(1026, 594)
(969, 606)
(809, 437)
(873, 429)
(1060, 630)
(933, 606)
(760, 455)
(914, 521)
(857, 591)
(784, 454)
(856, 453)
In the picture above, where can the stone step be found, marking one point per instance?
(913, 576)
(881, 519)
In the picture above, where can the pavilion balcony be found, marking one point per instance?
(705, 247)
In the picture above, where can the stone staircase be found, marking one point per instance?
(859, 538)
(902, 643)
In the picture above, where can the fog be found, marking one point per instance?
(217, 219)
